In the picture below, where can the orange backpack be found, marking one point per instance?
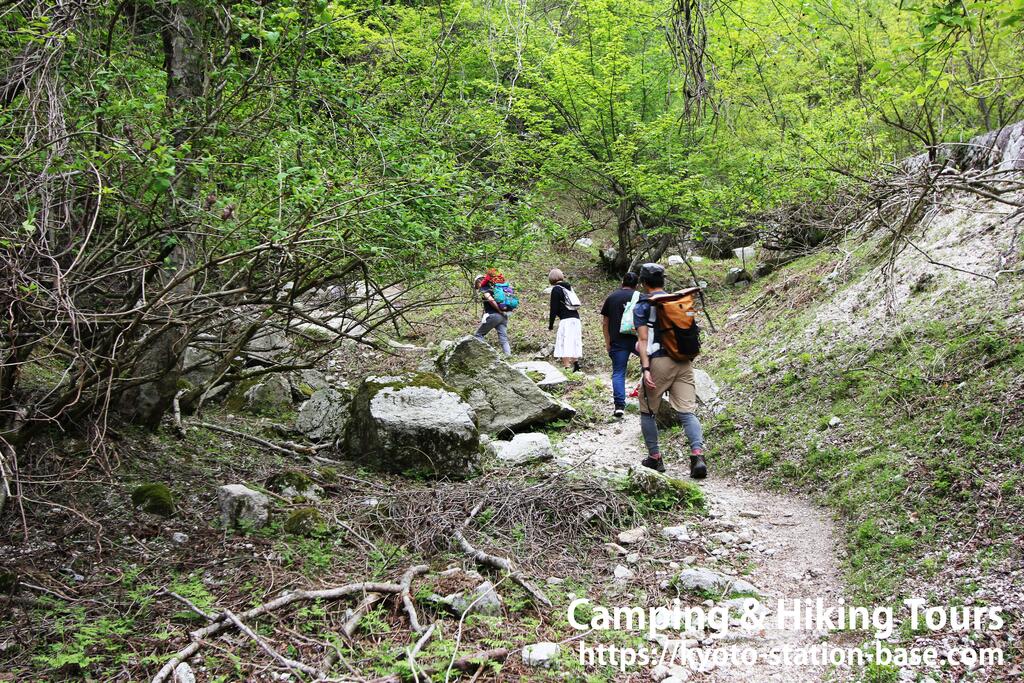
(679, 333)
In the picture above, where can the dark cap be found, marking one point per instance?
(649, 269)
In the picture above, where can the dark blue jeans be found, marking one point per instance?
(620, 359)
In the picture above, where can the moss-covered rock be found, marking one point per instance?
(303, 522)
(154, 498)
(662, 491)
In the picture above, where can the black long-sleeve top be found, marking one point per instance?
(558, 308)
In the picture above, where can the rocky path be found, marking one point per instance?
(785, 545)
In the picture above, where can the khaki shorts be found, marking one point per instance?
(674, 377)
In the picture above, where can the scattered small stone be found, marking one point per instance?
(615, 549)
(745, 536)
(710, 581)
(632, 558)
(623, 573)
(750, 514)
(676, 533)
(673, 565)
(482, 600)
(555, 581)
(633, 536)
(179, 538)
(725, 537)
(690, 559)
(835, 421)
(541, 654)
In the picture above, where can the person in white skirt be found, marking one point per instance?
(565, 305)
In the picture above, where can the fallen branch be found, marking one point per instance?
(179, 426)
(502, 563)
(223, 621)
(407, 602)
(291, 449)
(468, 663)
(352, 623)
(275, 655)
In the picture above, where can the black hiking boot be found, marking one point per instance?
(698, 468)
(656, 464)
(618, 413)
(576, 366)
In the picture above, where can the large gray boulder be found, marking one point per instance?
(268, 343)
(413, 425)
(324, 416)
(503, 397)
(270, 396)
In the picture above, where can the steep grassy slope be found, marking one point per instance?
(895, 391)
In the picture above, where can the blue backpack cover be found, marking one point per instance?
(505, 297)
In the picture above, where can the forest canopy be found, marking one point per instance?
(169, 163)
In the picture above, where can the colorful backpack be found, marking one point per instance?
(679, 333)
(505, 296)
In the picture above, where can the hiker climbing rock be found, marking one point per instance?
(499, 300)
(565, 305)
(669, 339)
(620, 336)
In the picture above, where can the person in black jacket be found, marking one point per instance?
(564, 306)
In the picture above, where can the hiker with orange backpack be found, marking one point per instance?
(669, 340)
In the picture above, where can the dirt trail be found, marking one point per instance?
(793, 553)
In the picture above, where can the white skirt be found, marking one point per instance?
(569, 340)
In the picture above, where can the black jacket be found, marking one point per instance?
(558, 308)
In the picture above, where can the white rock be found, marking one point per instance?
(675, 260)
(710, 581)
(750, 514)
(183, 674)
(632, 558)
(240, 506)
(725, 537)
(585, 242)
(179, 538)
(660, 673)
(633, 535)
(541, 654)
(482, 600)
(623, 573)
(673, 565)
(555, 581)
(835, 421)
(522, 449)
(745, 536)
(676, 533)
(744, 253)
(550, 375)
(615, 549)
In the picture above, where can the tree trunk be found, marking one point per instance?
(161, 359)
